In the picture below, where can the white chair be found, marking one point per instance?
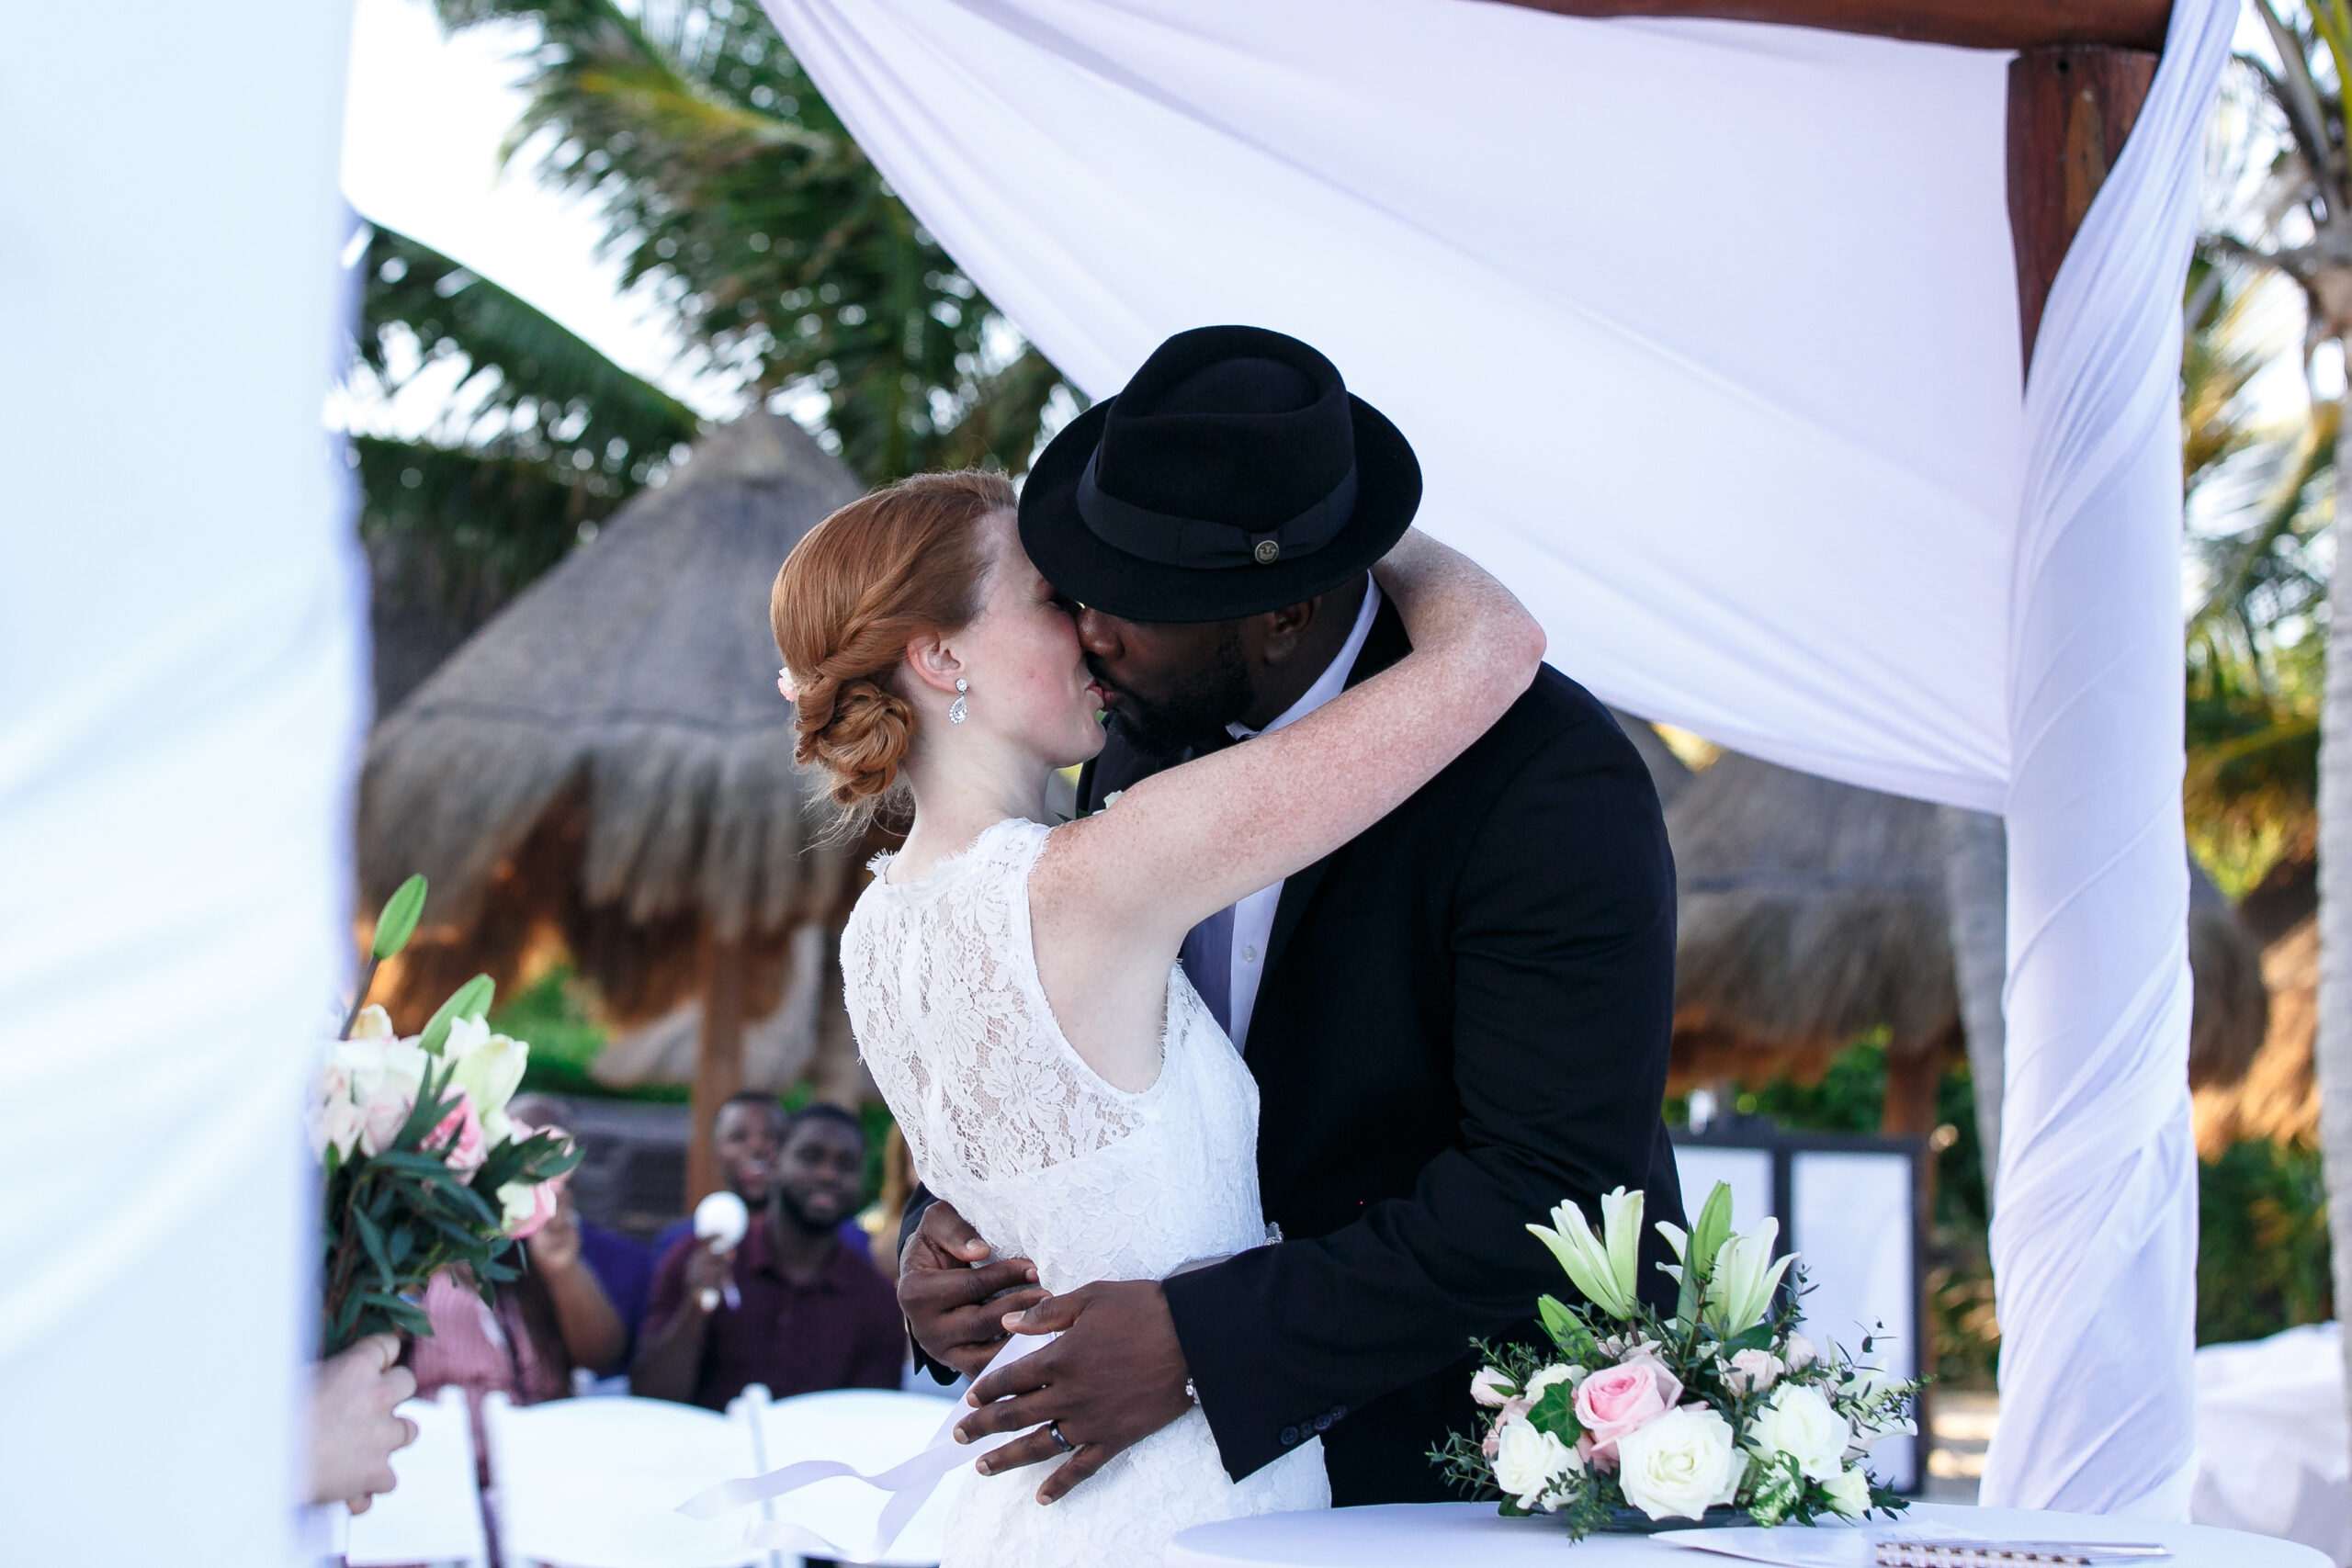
(869, 1428)
(597, 1484)
(2270, 1438)
(434, 1514)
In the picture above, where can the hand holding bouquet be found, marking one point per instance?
(423, 1168)
(1720, 1405)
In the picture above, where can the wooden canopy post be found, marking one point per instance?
(2070, 108)
(718, 1059)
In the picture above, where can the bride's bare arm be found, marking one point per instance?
(1124, 885)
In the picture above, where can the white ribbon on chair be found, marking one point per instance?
(911, 1482)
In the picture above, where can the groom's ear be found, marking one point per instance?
(1274, 637)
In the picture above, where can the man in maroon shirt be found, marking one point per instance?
(804, 1313)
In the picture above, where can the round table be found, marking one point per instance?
(1472, 1535)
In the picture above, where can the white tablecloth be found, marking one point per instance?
(1406, 1535)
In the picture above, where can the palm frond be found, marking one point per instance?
(728, 183)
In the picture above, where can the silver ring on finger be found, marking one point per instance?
(1054, 1430)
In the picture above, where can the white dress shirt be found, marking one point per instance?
(1253, 917)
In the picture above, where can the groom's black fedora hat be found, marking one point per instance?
(1234, 475)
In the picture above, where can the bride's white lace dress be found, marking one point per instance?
(1050, 1162)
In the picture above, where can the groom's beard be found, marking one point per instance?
(1195, 713)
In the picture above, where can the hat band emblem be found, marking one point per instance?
(1201, 544)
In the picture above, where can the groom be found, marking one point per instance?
(1456, 1021)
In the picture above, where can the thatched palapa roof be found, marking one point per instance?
(609, 756)
(1813, 912)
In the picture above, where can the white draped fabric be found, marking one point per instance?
(179, 704)
(1706, 336)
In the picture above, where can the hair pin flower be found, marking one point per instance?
(787, 685)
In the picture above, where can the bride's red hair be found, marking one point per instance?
(886, 567)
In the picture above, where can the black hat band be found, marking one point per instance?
(1201, 544)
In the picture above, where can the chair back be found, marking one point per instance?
(870, 1428)
(434, 1514)
(597, 1484)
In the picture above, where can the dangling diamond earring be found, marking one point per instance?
(956, 712)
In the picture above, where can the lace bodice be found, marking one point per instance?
(1005, 1120)
(1051, 1163)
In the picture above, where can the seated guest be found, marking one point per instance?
(622, 1265)
(804, 1313)
(552, 1318)
(744, 1137)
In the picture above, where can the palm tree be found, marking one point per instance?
(2295, 219)
(535, 438)
(727, 182)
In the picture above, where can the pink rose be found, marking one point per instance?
(460, 1134)
(1670, 1387)
(528, 1208)
(1614, 1402)
(382, 1118)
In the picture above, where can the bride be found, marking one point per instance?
(1014, 987)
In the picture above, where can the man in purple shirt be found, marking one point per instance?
(790, 1307)
(744, 1137)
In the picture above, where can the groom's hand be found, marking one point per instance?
(955, 1309)
(1114, 1377)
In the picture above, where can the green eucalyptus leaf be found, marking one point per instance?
(396, 923)
(471, 999)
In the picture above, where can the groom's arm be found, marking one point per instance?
(1562, 941)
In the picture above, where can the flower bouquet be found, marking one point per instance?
(1720, 1413)
(423, 1168)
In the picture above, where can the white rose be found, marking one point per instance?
(1528, 1459)
(1490, 1388)
(1800, 1352)
(1681, 1464)
(337, 1122)
(1752, 1371)
(1849, 1492)
(1550, 1375)
(1798, 1421)
(379, 1064)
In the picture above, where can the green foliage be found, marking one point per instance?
(395, 1219)
(541, 436)
(2262, 494)
(2262, 1254)
(396, 923)
(729, 183)
(471, 999)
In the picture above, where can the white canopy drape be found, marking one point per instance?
(179, 712)
(1706, 336)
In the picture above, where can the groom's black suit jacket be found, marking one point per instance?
(1463, 1019)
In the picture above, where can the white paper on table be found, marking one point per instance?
(1797, 1546)
(1845, 1546)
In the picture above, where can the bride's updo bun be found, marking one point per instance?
(882, 570)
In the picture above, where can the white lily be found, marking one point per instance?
(1599, 1265)
(1745, 1277)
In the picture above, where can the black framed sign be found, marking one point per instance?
(1855, 1206)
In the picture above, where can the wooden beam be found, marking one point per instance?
(718, 1061)
(1970, 24)
(2070, 110)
